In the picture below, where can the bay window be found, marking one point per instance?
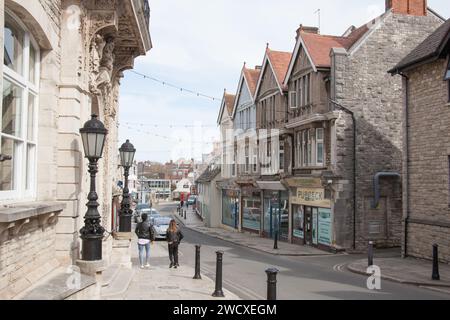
(18, 109)
(310, 148)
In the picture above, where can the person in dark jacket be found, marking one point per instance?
(146, 235)
(174, 237)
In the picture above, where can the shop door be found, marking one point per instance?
(308, 226)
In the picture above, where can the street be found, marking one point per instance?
(300, 278)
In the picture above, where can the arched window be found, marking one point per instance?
(19, 111)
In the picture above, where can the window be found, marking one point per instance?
(319, 147)
(281, 157)
(293, 99)
(299, 149)
(18, 109)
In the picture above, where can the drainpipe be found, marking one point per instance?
(348, 111)
(405, 243)
(376, 186)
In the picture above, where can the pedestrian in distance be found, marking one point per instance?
(174, 237)
(181, 204)
(146, 235)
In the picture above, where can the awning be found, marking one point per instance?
(271, 185)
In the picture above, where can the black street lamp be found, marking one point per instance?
(127, 152)
(93, 135)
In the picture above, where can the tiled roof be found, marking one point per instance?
(319, 46)
(430, 48)
(208, 175)
(252, 76)
(229, 102)
(280, 63)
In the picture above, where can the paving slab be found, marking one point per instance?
(407, 271)
(161, 283)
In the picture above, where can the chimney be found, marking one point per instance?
(307, 29)
(408, 7)
(258, 67)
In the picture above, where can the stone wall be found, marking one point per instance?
(27, 253)
(429, 150)
(361, 83)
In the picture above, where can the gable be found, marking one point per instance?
(267, 81)
(302, 63)
(245, 97)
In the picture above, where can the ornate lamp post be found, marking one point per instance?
(93, 135)
(127, 152)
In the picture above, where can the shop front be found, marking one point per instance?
(251, 209)
(312, 222)
(230, 208)
(275, 209)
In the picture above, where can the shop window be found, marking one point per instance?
(298, 222)
(18, 110)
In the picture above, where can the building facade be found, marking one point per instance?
(63, 61)
(426, 148)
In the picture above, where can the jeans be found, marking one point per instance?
(173, 253)
(144, 260)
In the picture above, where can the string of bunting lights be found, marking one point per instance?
(164, 83)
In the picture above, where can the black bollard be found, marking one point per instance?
(185, 214)
(272, 284)
(197, 263)
(436, 275)
(275, 241)
(370, 254)
(218, 293)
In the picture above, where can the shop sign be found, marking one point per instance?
(314, 197)
(232, 193)
(325, 227)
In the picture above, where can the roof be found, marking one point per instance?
(252, 76)
(430, 49)
(319, 46)
(280, 63)
(209, 175)
(229, 102)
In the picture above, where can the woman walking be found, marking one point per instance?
(174, 237)
(146, 235)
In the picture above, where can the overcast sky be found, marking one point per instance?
(201, 45)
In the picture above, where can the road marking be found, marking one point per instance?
(235, 286)
(339, 267)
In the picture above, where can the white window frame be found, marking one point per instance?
(293, 100)
(318, 142)
(20, 191)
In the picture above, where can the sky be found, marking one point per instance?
(201, 45)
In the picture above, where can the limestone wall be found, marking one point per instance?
(361, 83)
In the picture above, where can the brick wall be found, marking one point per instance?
(429, 194)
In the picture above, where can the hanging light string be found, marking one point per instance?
(164, 83)
(166, 125)
(165, 137)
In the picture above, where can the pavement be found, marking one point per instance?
(247, 239)
(161, 283)
(408, 271)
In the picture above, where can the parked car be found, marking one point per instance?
(161, 224)
(192, 200)
(144, 208)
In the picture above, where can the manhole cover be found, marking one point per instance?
(168, 287)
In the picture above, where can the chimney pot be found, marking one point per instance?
(408, 7)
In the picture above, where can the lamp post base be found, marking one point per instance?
(91, 249)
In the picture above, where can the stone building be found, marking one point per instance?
(371, 208)
(63, 61)
(426, 147)
(271, 115)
